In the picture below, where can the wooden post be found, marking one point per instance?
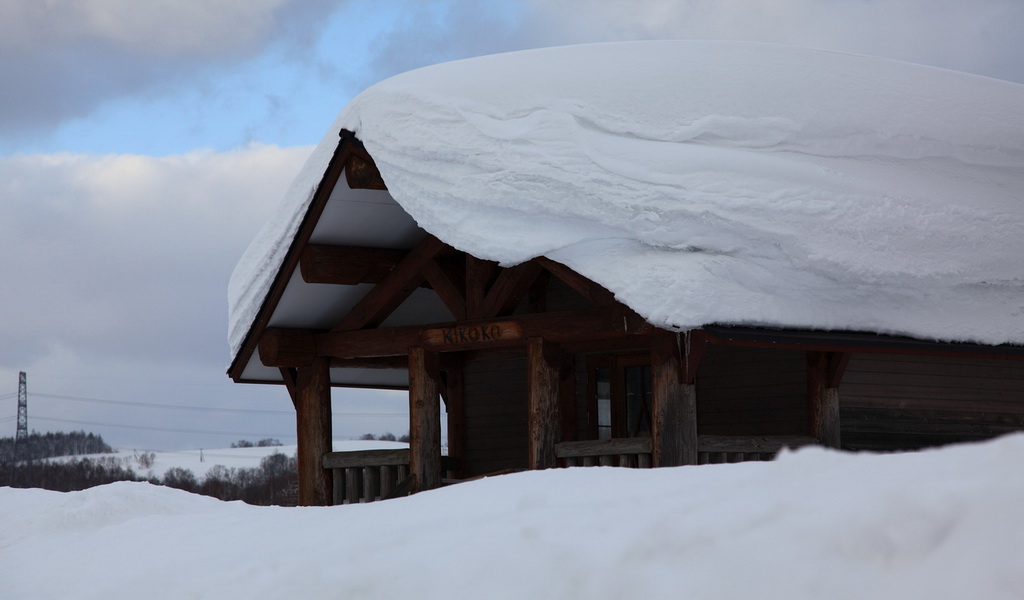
(673, 408)
(822, 399)
(313, 428)
(424, 419)
(544, 423)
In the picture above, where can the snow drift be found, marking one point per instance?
(710, 182)
(813, 524)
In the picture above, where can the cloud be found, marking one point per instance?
(126, 255)
(62, 59)
(981, 37)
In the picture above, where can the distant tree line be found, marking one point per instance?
(386, 437)
(273, 482)
(264, 443)
(59, 443)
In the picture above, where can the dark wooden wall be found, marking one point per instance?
(752, 391)
(898, 402)
(496, 411)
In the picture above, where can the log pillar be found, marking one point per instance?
(424, 419)
(313, 429)
(544, 424)
(823, 372)
(673, 408)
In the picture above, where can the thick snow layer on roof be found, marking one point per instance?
(724, 182)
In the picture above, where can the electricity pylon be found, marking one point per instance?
(22, 452)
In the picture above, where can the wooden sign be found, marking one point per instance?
(469, 335)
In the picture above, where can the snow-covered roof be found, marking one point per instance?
(707, 182)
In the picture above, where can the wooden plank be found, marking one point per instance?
(371, 483)
(542, 398)
(640, 445)
(751, 443)
(673, 408)
(424, 419)
(464, 336)
(353, 485)
(313, 429)
(366, 458)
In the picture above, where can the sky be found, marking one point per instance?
(143, 145)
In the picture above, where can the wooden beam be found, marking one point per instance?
(288, 375)
(313, 429)
(424, 419)
(509, 288)
(479, 274)
(445, 289)
(822, 400)
(598, 295)
(543, 422)
(837, 362)
(347, 265)
(377, 362)
(361, 173)
(394, 288)
(673, 408)
(366, 458)
(298, 345)
(593, 324)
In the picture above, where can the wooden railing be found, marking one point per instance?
(368, 475)
(715, 449)
(620, 452)
(711, 449)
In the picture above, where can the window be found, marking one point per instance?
(619, 389)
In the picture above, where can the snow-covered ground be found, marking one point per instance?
(813, 524)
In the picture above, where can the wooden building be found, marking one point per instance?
(539, 367)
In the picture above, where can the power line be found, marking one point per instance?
(158, 405)
(205, 408)
(166, 429)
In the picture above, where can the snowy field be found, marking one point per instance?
(813, 524)
(201, 461)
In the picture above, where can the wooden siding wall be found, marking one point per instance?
(896, 402)
(752, 391)
(580, 391)
(496, 413)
